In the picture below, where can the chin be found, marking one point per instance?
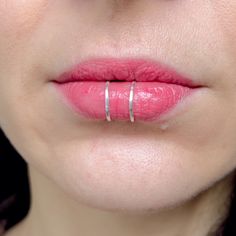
(135, 179)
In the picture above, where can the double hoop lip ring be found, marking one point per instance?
(131, 99)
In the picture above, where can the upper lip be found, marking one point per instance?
(103, 69)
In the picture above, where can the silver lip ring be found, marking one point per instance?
(107, 106)
(131, 99)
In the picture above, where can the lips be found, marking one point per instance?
(157, 88)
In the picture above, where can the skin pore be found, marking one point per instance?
(94, 178)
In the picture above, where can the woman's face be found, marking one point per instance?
(119, 165)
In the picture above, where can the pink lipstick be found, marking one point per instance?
(157, 88)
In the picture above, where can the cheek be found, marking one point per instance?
(20, 17)
(226, 15)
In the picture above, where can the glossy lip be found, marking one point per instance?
(158, 89)
(114, 69)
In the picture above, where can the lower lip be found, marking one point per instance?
(150, 99)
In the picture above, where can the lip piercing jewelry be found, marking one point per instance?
(107, 102)
(131, 98)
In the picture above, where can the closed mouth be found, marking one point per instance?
(157, 89)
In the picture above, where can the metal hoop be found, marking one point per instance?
(107, 107)
(131, 99)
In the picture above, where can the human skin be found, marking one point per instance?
(118, 167)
